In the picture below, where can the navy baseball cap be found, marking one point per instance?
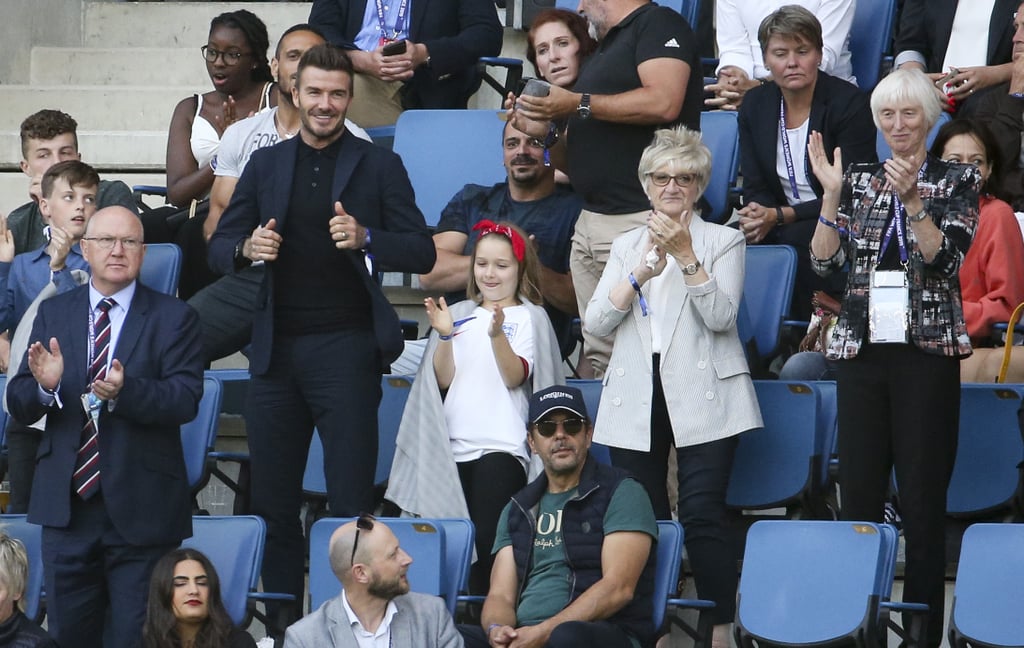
(557, 397)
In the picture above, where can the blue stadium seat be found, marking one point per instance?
(786, 462)
(870, 35)
(767, 293)
(669, 559)
(819, 583)
(443, 150)
(234, 544)
(161, 267)
(199, 434)
(422, 539)
(592, 397)
(986, 477)
(986, 607)
(720, 132)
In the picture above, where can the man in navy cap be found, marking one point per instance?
(582, 532)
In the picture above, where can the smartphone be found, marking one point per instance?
(395, 47)
(536, 88)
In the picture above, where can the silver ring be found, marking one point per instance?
(344, 236)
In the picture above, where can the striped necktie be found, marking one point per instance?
(86, 478)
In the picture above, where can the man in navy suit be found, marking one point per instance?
(108, 520)
(320, 210)
(437, 69)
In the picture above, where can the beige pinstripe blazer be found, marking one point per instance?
(703, 369)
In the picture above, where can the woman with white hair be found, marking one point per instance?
(677, 375)
(17, 630)
(903, 226)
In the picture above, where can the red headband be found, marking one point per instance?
(486, 227)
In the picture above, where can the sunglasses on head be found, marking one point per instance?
(572, 426)
(363, 523)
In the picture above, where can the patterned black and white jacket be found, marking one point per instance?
(949, 192)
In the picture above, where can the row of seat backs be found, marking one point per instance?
(443, 150)
(787, 463)
(830, 583)
(234, 544)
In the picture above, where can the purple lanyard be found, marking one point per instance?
(787, 154)
(399, 21)
(899, 215)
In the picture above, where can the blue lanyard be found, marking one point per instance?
(399, 21)
(787, 154)
(898, 225)
(899, 215)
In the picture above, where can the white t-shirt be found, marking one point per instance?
(798, 149)
(483, 415)
(252, 133)
(659, 301)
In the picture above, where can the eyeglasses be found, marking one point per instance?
(572, 427)
(230, 58)
(682, 180)
(363, 523)
(107, 242)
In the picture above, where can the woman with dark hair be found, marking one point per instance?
(992, 275)
(557, 44)
(236, 60)
(185, 608)
(902, 228)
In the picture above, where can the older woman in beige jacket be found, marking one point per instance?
(670, 294)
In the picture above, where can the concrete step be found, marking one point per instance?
(115, 108)
(144, 151)
(14, 186)
(102, 66)
(176, 24)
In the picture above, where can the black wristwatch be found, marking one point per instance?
(240, 259)
(583, 110)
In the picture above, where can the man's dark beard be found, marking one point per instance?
(387, 591)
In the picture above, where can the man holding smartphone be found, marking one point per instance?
(406, 56)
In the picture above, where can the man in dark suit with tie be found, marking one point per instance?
(320, 210)
(116, 369)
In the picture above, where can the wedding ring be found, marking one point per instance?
(344, 236)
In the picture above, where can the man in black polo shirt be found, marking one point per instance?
(645, 75)
(321, 210)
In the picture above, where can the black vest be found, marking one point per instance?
(582, 539)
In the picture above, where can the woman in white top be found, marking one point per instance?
(236, 60)
(678, 376)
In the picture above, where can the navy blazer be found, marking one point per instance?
(839, 111)
(456, 33)
(142, 466)
(372, 184)
(925, 27)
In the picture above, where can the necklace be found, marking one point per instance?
(285, 135)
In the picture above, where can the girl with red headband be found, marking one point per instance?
(485, 357)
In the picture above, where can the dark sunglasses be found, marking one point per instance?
(572, 427)
(363, 523)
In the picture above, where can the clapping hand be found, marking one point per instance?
(439, 315)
